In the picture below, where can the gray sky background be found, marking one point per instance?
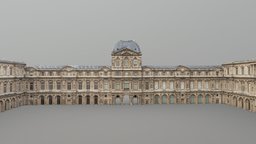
(170, 32)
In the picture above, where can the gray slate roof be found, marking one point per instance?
(11, 62)
(130, 44)
(202, 67)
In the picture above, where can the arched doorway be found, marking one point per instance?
(235, 101)
(126, 100)
(156, 99)
(192, 99)
(58, 100)
(135, 100)
(7, 104)
(164, 99)
(207, 99)
(247, 104)
(42, 100)
(13, 103)
(199, 99)
(241, 102)
(146, 100)
(118, 100)
(172, 99)
(50, 100)
(1, 106)
(80, 100)
(87, 99)
(95, 99)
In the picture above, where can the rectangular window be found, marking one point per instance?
(50, 85)
(199, 85)
(5, 88)
(156, 85)
(207, 85)
(191, 85)
(105, 85)
(117, 85)
(88, 85)
(31, 86)
(10, 71)
(217, 85)
(147, 85)
(10, 87)
(58, 85)
(182, 85)
(42, 83)
(69, 87)
(126, 85)
(96, 85)
(171, 86)
(80, 85)
(164, 85)
(135, 86)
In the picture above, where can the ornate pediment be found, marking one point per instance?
(68, 68)
(182, 68)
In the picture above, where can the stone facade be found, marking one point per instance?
(127, 81)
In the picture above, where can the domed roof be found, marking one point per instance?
(130, 44)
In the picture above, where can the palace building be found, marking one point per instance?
(129, 82)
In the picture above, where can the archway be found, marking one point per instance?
(50, 100)
(1, 106)
(135, 100)
(126, 100)
(172, 99)
(207, 99)
(192, 99)
(247, 104)
(13, 101)
(58, 100)
(96, 99)
(241, 102)
(199, 99)
(156, 99)
(42, 100)
(80, 100)
(164, 99)
(7, 104)
(118, 100)
(87, 99)
(235, 101)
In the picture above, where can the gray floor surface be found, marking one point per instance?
(141, 124)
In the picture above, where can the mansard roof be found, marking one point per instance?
(11, 62)
(130, 44)
(241, 62)
(202, 67)
(71, 67)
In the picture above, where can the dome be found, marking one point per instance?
(130, 44)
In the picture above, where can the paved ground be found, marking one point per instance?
(151, 124)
